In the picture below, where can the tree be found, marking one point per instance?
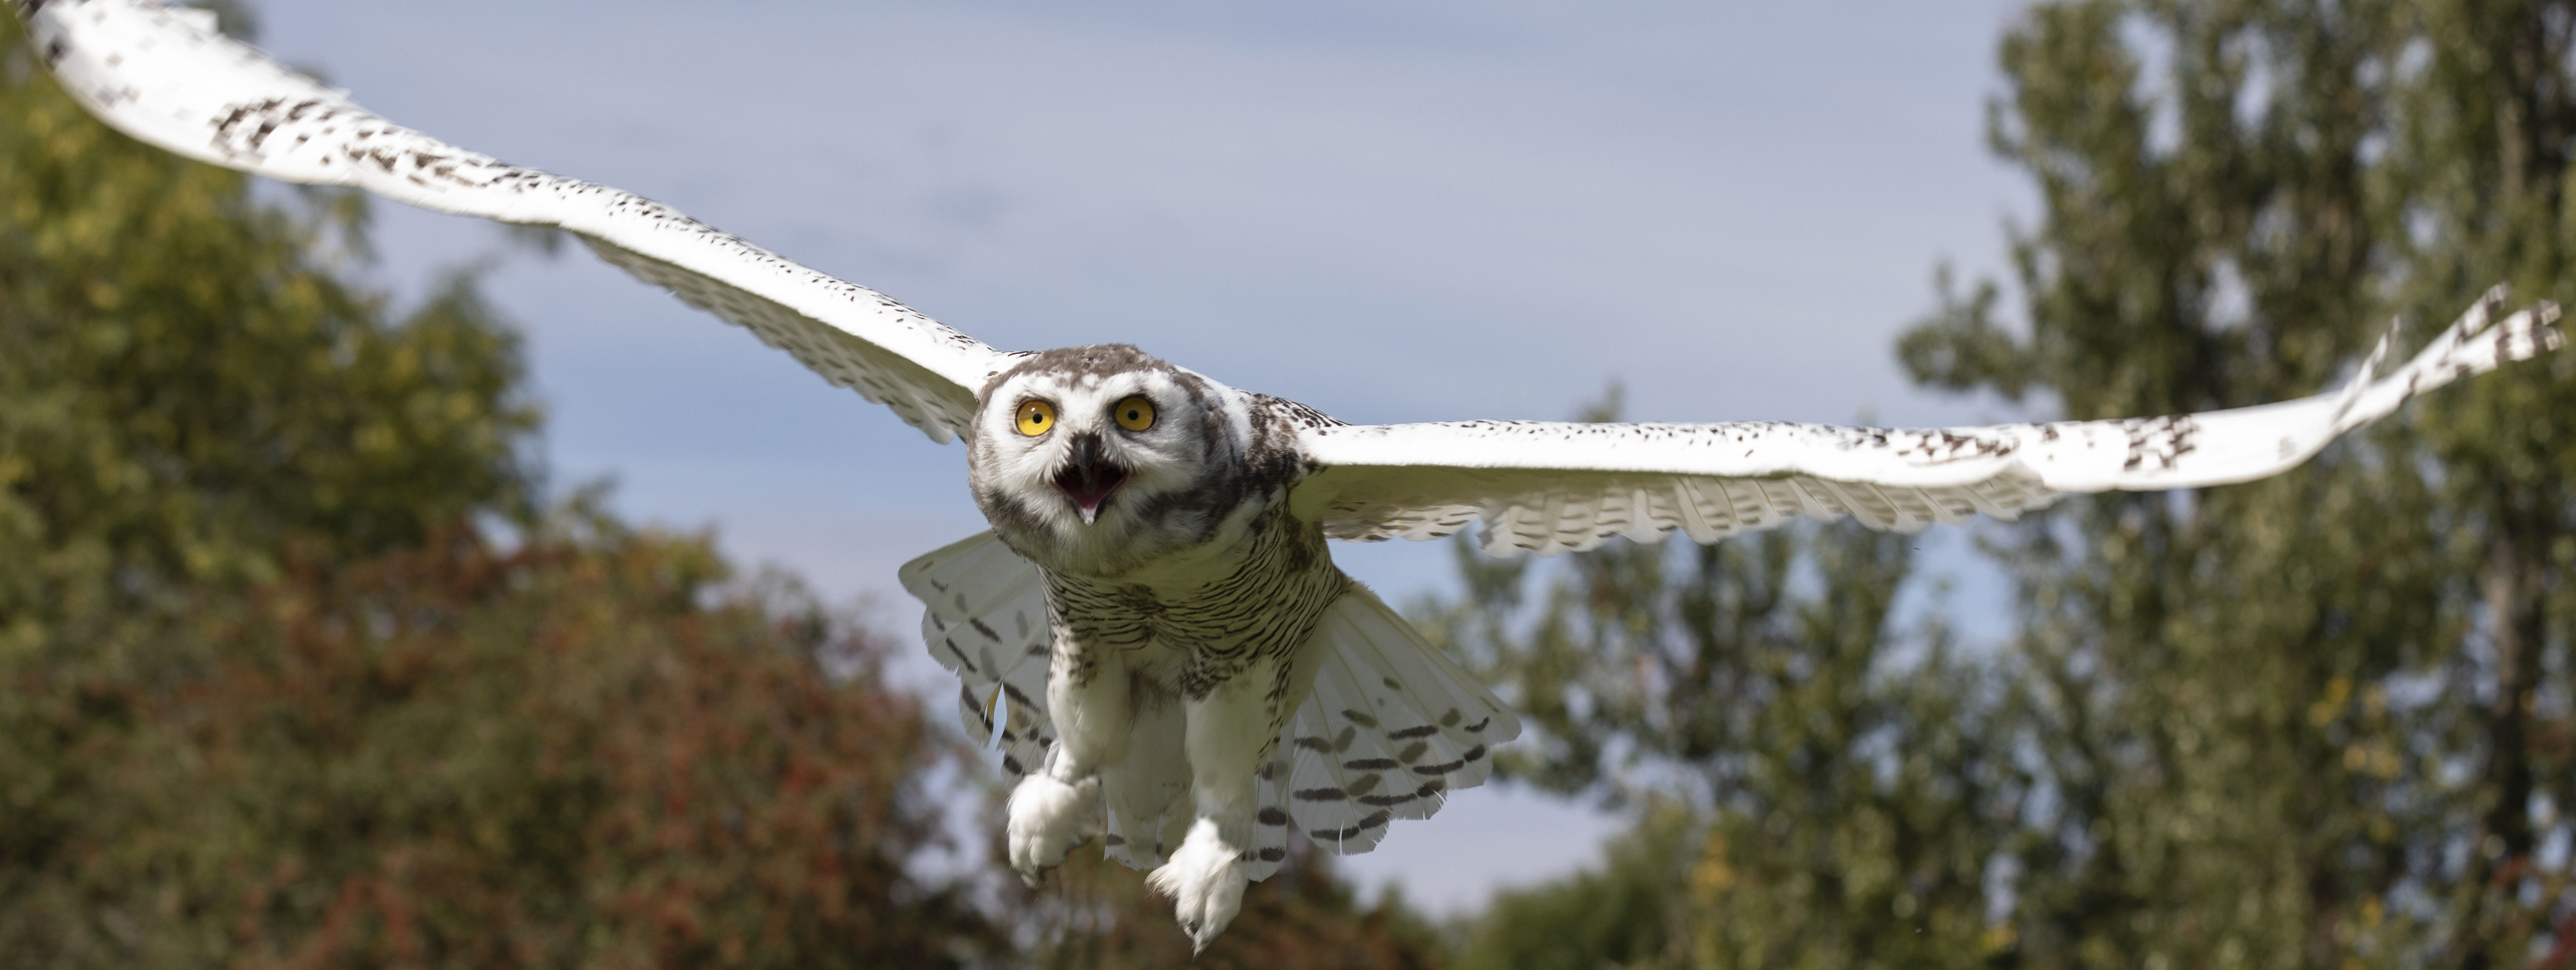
(267, 693)
(186, 391)
(2479, 169)
(2201, 662)
(1612, 915)
(2320, 720)
(2253, 767)
(1844, 784)
(454, 756)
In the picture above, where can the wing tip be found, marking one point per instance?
(2545, 335)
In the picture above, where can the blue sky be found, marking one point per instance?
(1393, 211)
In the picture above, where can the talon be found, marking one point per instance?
(1205, 881)
(1048, 818)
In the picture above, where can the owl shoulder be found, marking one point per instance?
(1292, 416)
(1273, 452)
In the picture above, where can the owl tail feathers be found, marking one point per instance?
(1391, 727)
(985, 620)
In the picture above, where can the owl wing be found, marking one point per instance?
(165, 76)
(1552, 487)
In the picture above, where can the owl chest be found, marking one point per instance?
(1193, 629)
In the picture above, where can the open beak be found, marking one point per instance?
(1089, 477)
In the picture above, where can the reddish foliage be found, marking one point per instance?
(554, 756)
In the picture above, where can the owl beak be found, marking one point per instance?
(1089, 477)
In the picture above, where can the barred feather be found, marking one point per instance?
(985, 620)
(1391, 727)
(166, 76)
(1552, 487)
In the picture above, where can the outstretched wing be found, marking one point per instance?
(165, 76)
(1554, 487)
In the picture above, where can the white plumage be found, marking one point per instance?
(1554, 487)
(1154, 634)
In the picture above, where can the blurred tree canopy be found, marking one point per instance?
(453, 756)
(2321, 720)
(269, 697)
(299, 667)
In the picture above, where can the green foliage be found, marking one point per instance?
(2256, 702)
(188, 388)
(2192, 667)
(1849, 786)
(2320, 720)
(1612, 915)
(2478, 172)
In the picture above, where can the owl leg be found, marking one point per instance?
(1229, 731)
(1057, 807)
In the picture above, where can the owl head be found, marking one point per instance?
(1096, 459)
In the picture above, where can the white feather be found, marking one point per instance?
(165, 76)
(985, 620)
(1391, 727)
(1554, 487)
(1147, 793)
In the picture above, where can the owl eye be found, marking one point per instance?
(1134, 414)
(1036, 418)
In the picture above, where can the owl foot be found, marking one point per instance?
(1205, 881)
(1049, 818)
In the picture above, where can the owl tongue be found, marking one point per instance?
(1090, 478)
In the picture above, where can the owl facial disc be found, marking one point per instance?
(1089, 476)
(1101, 459)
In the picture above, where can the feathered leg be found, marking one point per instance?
(1058, 807)
(1230, 732)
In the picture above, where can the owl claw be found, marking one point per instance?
(1032, 878)
(1048, 819)
(1205, 881)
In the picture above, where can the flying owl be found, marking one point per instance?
(1154, 633)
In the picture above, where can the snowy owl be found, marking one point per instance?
(1154, 631)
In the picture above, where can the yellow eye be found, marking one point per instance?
(1134, 414)
(1036, 418)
